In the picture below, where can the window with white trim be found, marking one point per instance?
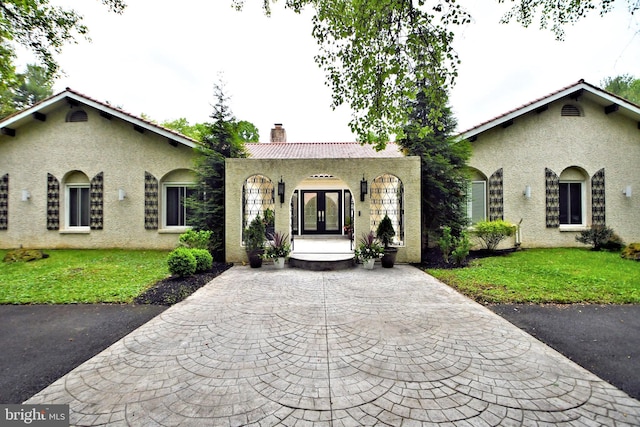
(176, 212)
(571, 203)
(477, 201)
(78, 205)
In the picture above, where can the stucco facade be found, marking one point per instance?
(345, 173)
(114, 153)
(594, 142)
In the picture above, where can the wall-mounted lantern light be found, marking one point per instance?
(363, 188)
(627, 191)
(26, 195)
(121, 194)
(527, 191)
(281, 190)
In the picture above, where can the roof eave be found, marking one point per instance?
(604, 95)
(68, 94)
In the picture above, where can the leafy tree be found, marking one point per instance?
(196, 131)
(376, 53)
(625, 86)
(559, 13)
(41, 28)
(27, 89)
(220, 139)
(444, 179)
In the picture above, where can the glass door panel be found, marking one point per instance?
(331, 212)
(310, 210)
(321, 212)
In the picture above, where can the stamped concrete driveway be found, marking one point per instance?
(348, 348)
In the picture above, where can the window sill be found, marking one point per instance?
(576, 227)
(173, 230)
(79, 230)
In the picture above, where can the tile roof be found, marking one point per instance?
(320, 150)
(551, 97)
(20, 116)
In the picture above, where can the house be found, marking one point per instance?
(317, 188)
(79, 173)
(558, 165)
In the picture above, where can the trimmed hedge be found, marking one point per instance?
(204, 260)
(182, 262)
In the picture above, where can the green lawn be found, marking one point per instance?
(548, 276)
(81, 276)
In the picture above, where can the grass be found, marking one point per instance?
(81, 276)
(563, 275)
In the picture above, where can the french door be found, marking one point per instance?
(321, 212)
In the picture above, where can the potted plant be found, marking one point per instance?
(368, 250)
(254, 239)
(278, 248)
(386, 233)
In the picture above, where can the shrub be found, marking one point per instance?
(195, 239)
(614, 244)
(181, 262)
(446, 243)
(597, 236)
(385, 231)
(632, 251)
(254, 234)
(493, 232)
(462, 248)
(204, 260)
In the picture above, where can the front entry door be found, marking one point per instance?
(321, 212)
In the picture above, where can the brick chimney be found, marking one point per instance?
(278, 134)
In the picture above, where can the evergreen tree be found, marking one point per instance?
(220, 140)
(444, 178)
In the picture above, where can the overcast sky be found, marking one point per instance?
(162, 58)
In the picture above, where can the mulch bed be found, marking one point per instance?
(174, 289)
(432, 257)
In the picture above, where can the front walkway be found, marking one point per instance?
(354, 347)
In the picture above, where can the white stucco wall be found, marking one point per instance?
(98, 145)
(294, 172)
(546, 140)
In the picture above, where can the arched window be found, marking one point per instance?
(477, 197)
(387, 198)
(258, 199)
(78, 200)
(572, 197)
(177, 187)
(77, 116)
